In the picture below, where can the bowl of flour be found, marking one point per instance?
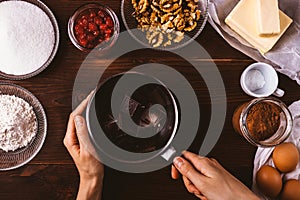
(23, 126)
(29, 38)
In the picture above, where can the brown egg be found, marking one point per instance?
(285, 157)
(291, 190)
(269, 181)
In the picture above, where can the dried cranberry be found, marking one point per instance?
(106, 37)
(101, 13)
(82, 36)
(91, 19)
(79, 29)
(83, 42)
(92, 14)
(83, 22)
(96, 33)
(108, 31)
(103, 27)
(98, 20)
(93, 27)
(83, 17)
(90, 37)
(109, 22)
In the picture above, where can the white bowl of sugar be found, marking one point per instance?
(29, 38)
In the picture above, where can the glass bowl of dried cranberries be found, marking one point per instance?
(93, 26)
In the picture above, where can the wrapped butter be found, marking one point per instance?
(244, 21)
(268, 17)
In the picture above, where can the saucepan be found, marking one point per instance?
(133, 117)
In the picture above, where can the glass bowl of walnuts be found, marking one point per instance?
(164, 24)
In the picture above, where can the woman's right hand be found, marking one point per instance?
(207, 179)
(90, 169)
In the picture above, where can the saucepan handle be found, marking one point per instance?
(169, 153)
(278, 92)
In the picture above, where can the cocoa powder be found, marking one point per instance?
(263, 120)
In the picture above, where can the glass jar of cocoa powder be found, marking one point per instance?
(263, 121)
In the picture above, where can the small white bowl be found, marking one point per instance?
(270, 77)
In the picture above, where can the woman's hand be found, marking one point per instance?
(90, 169)
(207, 179)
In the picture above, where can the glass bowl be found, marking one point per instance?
(53, 20)
(93, 26)
(14, 159)
(131, 24)
(264, 122)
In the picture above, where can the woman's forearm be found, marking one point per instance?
(90, 189)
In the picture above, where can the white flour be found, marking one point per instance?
(18, 123)
(26, 37)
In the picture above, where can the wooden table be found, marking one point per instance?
(52, 173)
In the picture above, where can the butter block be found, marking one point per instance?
(268, 17)
(243, 20)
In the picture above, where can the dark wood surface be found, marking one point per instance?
(52, 173)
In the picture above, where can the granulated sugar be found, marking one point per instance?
(26, 37)
(18, 123)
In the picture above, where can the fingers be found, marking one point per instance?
(174, 172)
(187, 170)
(202, 164)
(201, 197)
(81, 131)
(190, 186)
(70, 134)
(86, 147)
(81, 107)
(70, 140)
